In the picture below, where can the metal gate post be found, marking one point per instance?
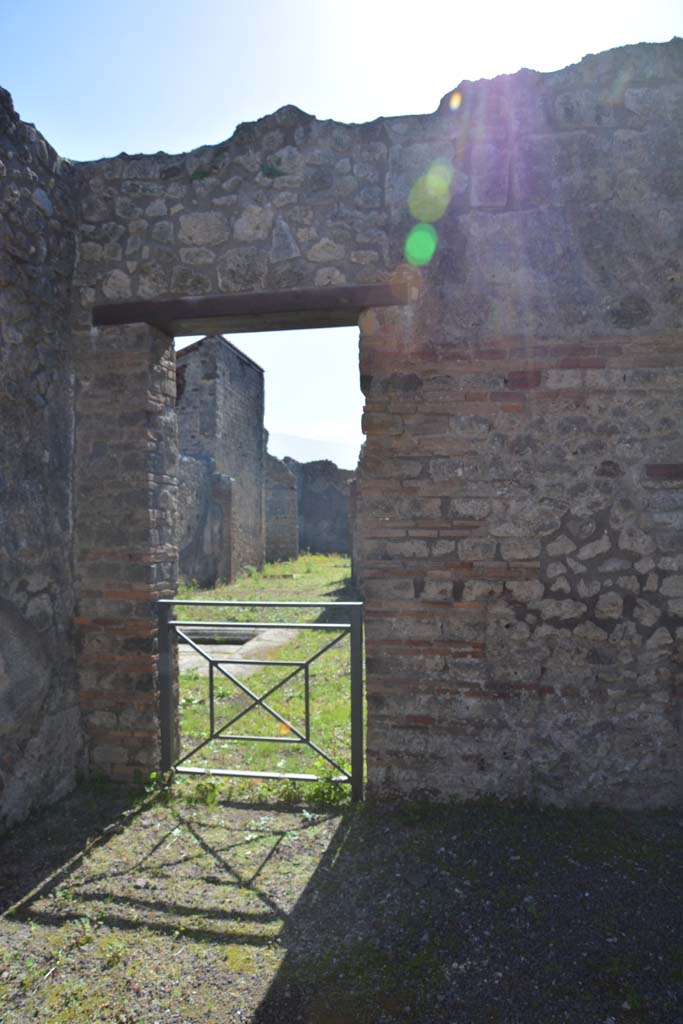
(166, 709)
(357, 703)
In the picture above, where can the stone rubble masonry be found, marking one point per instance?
(126, 546)
(204, 522)
(323, 506)
(520, 495)
(220, 421)
(40, 737)
(282, 521)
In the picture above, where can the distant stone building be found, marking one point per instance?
(323, 506)
(282, 517)
(221, 468)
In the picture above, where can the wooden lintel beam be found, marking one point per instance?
(337, 306)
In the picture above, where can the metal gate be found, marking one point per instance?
(172, 631)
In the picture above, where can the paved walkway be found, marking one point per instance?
(265, 644)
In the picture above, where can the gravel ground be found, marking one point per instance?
(494, 913)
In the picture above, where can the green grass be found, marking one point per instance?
(308, 578)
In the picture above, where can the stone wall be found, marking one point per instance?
(220, 418)
(520, 501)
(39, 720)
(323, 506)
(520, 492)
(204, 522)
(282, 522)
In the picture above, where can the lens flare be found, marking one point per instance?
(421, 244)
(455, 100)
(429, 197)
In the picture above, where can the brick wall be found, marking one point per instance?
(518, 502)
(126, 553)
(521, 556)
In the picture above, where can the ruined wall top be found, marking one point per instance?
(553, 201)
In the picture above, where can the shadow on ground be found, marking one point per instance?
(469, 913)
(488, 913)
(31, 853)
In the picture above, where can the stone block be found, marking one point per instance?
(204, 228)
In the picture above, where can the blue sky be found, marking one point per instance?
(98, 78)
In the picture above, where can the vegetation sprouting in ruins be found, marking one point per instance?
(320, 578)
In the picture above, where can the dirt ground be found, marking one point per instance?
(181, 913)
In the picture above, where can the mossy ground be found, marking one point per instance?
(482, 913)
(198, 906)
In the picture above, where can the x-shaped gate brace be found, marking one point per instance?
(170, 628)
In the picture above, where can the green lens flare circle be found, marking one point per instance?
(421, 244)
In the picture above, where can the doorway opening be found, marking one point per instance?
(269, 438)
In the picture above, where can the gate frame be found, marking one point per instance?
(168, 671)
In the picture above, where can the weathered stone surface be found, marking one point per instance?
(519, 549)
(670, 563)
(327, 276)
(284, 245)
(672, 586)
(561, 546)
(613, 565)
(551, 609)
(595, 548)
(478, 548)
(326, 251)
(203, 228)
(576, 567)
(629, 583)
(42, 201)
(282, 517)
(489, 176)
(204, 522)
(323, 506)
(609, 606)
(589, 631)
(525, 590)
(540, 376)
(645, 613)
(116, 285)
(254, 224)
(240, 271)
(40, 734)
(478, 590)
(660, 639)
(220, 426)
(634, 539)
(561, 585)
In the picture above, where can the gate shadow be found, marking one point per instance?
(480, 913)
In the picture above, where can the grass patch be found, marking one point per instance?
(308, 578)
(480, 912)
